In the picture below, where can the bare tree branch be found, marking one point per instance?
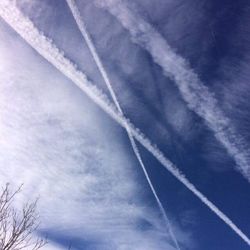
(18, 227)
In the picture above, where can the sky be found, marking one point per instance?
(180, 73)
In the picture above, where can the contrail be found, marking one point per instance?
(193, 91)
(45, 47)
(82, 27)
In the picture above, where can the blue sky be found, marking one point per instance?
(180, 70)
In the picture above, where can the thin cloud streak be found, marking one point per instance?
(26, 29)
(194, 92)
(72, 155)
(82, 27)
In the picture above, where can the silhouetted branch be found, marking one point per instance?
(17, 228)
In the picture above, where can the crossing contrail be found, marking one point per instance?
(45, 47)
(82, 27)
(193, 91)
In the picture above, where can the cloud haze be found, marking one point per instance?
(60, 148)
(193, 91)
(56, 139)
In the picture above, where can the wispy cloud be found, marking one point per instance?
(80, 23)
(55, 142)
(48, 50)
(194, 92)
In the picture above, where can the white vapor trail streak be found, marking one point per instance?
(44, 46)
(194, 92)
(82, 27)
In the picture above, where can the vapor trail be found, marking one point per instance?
(82, 27)
(194, 92)
(45, 47)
